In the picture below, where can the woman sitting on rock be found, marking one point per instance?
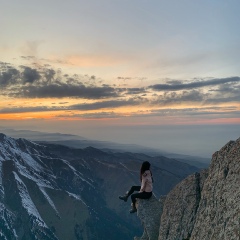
(144, 191)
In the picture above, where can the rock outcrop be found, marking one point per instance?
(218, 215)
(149, 212)
(205, 205)
(180, 208)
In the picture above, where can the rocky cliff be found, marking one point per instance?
(149, 211)
(180, 208)
(218, 215)
(205, 205)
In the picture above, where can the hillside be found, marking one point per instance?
(49, 191)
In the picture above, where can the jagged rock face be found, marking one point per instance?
(205, 205)
(218, 215)
(181, 204)
(149, 211)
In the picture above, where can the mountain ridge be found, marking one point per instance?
(76, 141)
(57, 192)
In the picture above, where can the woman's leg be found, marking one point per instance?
(141, 195)
(130, 192)
(133, 189)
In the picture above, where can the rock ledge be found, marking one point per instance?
(149, 211)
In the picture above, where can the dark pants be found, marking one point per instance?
(142, 195)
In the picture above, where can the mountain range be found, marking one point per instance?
(76, 141)
(51, 191)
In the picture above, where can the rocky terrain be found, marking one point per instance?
(51, 192)
(205, 205)
(218, 215)
(149, 212)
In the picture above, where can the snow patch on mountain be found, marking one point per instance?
(42, 189)
(6, 222)
(27, 203)
(76, 173)
(1, 186)
(77, 197)
(32, 174)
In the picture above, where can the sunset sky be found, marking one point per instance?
(126, 71)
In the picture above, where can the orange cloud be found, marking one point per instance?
(85, 60)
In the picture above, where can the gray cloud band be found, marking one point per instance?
(83, 107)
(192, 85)
(47, 83)
(66, 90)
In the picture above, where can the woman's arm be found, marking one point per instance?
(144, 181)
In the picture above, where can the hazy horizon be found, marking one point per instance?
(199, 140)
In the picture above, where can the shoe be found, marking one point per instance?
(133, 210)
(124, 198)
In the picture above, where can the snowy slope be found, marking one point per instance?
(24, 163)
(50, 192)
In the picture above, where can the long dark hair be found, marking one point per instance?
(145, 166)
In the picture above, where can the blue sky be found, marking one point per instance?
(156, 39)
(121, 64)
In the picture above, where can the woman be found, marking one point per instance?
(144, 191)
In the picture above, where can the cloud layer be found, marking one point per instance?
(27, 82)
(46, 83)
(179, 85)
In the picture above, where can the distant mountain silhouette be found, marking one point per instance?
(75, 141)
